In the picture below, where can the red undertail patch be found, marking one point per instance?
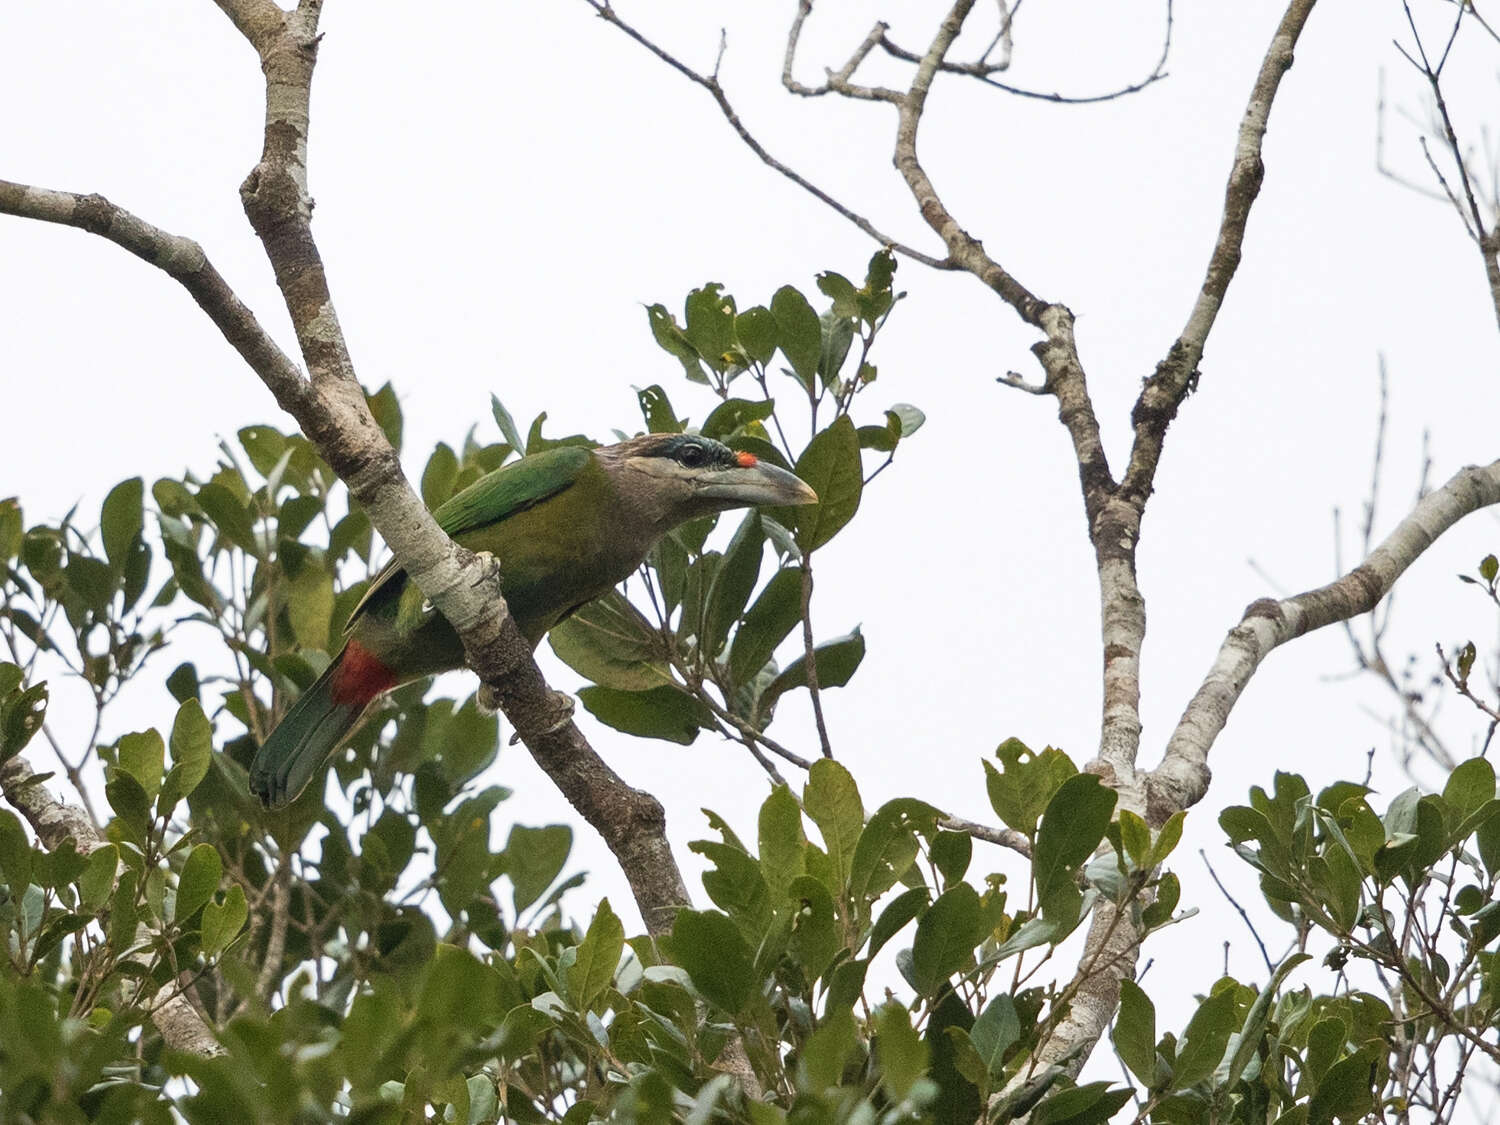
(361, 676)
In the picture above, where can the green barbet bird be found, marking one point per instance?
(565, 527)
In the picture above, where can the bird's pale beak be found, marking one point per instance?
(758, 484)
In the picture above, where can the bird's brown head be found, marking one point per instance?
(678, 477)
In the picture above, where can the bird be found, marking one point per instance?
(565, 526)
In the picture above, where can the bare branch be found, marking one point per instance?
(1001, 837)
(180, 258)
(984, 71)
(711, 84)
(1181, 780)
(1176, 375)
(54, 821)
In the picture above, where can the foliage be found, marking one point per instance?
(360, 960)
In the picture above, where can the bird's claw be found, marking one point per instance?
(489, 567)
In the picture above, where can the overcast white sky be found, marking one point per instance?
(501, 188)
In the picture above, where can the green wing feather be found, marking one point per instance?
(493, 497)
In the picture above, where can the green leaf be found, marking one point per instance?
(1203, 1042)
(1136, 837)
(708, 945)
(909, 417)
(98, 877)
(799, 333)
(1091, 1104)
(672, 341)
(1347, 1090)
(733, 582)
(735, 884)
(439, 475)
(141, 756)
(15, 852)
(535, 857)
(841, 290)
(1072, 827)
(1245, 1043)
(946, 937)
(656, 409)
(21, 716)
(198, 881)
(709, 313)
(831, 800)
(264, 445)
(1020, 794)
(899, 1051)
(826, 1051)
(387, 412)
(767, 623)
(838, 336)
(994, 1033)
(309, 605)
(837, 661)
(130, 804)
(815, 939)
(121, 520)
(593, 969)
(735, 414)
(831, 465)
(756, 331)
(665, 712)
(887, 846)
(1469, 786)
(1135, 1032)
(222, 922)
(192, 748)
(507, 426)
(229, 516)
(1167, 838)
(611, 643)
(783, 845)
(900, 911)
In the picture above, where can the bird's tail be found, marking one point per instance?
(311, 731)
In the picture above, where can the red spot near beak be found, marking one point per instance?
(746, 460)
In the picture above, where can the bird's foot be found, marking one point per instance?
(490, 567)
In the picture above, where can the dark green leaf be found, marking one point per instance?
(901, 910)
(142, 756)
(756, 331)
(733, 415)
(708, 945)
(831, 465)
(832, 802)
(709, 314)
(767, 623)
(1020, 794)
(672, 341)
(192, 745)
(666, 712)
(120, 521)
(21, 716)
(1072, 827)
(946, 937)
(782, 843)
(507, 425)
(198, 881)
(657, 410)
(1203, 1042)
(815, 938)
(1135, 1032)
(839, 287)
(439, 475)
(837, 661)
(609, 642)
(827, 1050)
(733, 582)
(899, 1050)
(593, 969)
(387, 411)
(535, 857)
(799, 333)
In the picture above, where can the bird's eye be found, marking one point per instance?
(691, 456)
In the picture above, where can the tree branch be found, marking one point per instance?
(1181, 780)
(1177, 374)
(54, 821)
(335, 417)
